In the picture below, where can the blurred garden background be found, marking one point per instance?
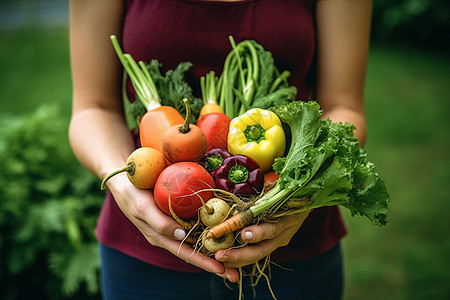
(49, 204)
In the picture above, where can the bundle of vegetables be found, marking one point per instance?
(213, 176)
(250, 79)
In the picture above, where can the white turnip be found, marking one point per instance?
(214, 211)
(215, 244)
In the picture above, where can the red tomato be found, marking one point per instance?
(215, 126)
(183, 180)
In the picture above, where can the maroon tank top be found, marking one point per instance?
(173, 31)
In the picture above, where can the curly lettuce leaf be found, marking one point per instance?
(326, 164)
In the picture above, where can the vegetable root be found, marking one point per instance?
(143, 167)
(188, 225)
(236, 222)
(188, 182)
(215, 244)
(184, 143)
(214, 211)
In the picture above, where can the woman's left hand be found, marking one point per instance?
(263, 239)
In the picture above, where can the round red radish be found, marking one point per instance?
(182, 182)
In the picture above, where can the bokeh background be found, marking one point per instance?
(49, 204)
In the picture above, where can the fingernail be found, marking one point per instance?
(248, 236)
(179, 234)
(228, 276)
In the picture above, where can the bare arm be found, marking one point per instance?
(343, 36)
(98, 132)
(97, 124)
(343, 28)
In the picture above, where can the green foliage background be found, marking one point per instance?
(416, 23)
(48, 210)
(49, 203)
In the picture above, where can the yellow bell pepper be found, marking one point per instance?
(258, 134)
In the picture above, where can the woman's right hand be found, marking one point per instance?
(159, 229)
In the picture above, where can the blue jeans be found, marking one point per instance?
(124, 277)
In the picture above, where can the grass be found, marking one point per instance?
(407, 112)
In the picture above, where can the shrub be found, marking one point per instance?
(48, 210)
(417, 23)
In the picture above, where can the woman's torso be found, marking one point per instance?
(173, 31)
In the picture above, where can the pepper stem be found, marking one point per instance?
(254, 133)
(187, 120)
(238, 174)
(213, 162)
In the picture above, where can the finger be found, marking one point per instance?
(248, 255)
(140, 208)
(266, 241)
(152, 219)
(184, 251)
(230, 273)
(267, 230)
(235, 258)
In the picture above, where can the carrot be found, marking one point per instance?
(143, 167)
(158, 118)
(155, 123)
(236, 222)
(184, 143)
(208, 86)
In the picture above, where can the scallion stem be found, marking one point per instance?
(139, 77)
(275, 196)
(151, 83)
(203, 89)
(278, 81)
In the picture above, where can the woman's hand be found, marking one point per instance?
(159, 229)
(264, 238)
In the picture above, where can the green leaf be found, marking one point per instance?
(76, 267)
(326, 164)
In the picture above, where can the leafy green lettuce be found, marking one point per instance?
(325, 164)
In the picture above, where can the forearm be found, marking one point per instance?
(344, 115)
(98, 133)
(343, 30)
(100, 140)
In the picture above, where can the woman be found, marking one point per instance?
(326, 40)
